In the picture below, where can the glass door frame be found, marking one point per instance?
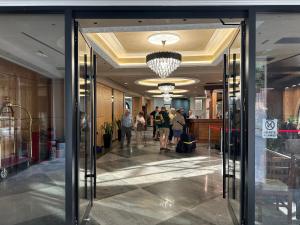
(90, 71)
(229, 177)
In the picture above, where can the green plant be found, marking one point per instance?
(108, 128)
(118, 123)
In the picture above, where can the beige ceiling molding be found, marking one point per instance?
(121, 52)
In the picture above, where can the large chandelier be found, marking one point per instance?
(166, 87)
(163, 63)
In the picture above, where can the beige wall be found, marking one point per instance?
(106, 107)
(291, 102)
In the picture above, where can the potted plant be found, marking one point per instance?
(118, 123)
(107, 134)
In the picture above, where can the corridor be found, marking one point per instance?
(142, 186)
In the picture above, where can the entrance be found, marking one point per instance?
(234, 109)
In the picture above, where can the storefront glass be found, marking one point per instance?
(277, 121)
(32, 140)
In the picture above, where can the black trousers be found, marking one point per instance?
(154, 130)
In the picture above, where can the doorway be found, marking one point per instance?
(233, 104)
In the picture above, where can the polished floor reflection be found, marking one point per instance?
(142, 186)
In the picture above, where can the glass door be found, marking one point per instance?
(234, 126)
(85, 132)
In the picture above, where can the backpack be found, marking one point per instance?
(159, 120)
(139, 126)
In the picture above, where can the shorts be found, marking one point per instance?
(164, 131)
(177, 133)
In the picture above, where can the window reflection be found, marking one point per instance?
(277, 158)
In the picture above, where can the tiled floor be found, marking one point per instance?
(140, 186)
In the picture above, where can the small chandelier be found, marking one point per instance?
(167, 96)
(166, 87)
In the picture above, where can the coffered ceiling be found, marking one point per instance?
(129, 49)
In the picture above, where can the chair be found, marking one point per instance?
(279, 183)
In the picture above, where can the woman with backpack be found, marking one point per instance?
(139, 127)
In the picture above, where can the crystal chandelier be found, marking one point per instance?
(163, 63)
(167, 96)
(166, 87)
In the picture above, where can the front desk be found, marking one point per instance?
(200, 129)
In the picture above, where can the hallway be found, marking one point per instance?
(142, 186)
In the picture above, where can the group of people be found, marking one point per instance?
(167, 126)
(126, 127)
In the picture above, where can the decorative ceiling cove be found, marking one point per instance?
(129, 48)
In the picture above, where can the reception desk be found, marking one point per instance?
(199, 128)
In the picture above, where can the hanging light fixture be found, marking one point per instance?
(166, 87)
(164, 63)
(167, 96)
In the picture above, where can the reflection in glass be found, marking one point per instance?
(277, 99)
(32, 145)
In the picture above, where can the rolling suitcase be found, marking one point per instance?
(186, 144)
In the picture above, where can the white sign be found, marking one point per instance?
(269, 128)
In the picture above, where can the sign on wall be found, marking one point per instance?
(269, 128)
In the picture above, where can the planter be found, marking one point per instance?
(119, 135)
(107, 139)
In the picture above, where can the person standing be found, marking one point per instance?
(164, 128)
(153, 115)
(139, 127)
(178, 125)
(126, 125)
(171, 115)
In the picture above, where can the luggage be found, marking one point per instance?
(186, 144)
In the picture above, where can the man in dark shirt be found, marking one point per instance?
(164, 128)
(153, 114)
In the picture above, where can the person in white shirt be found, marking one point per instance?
(139, 127)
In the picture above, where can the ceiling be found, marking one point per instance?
(205, 40)
(126, 44)
(34, 41)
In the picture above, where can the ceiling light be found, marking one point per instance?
(163, 95)
(178, 81)
(161, 38)
(42, 54)
(163, 63)
(166, 87)
(167, 99)
(175, 91)
(294, 85)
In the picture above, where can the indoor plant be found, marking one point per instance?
(118, 123)
(107, 134)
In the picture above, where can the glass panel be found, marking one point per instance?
(234, 125)
(32, 145)
(85, 107)
(277, 139)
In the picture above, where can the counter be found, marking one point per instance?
(199, 128)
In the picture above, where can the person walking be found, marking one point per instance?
(126, 125)
(164, 128)
(139, 127)
(178, 125)
(153, 116)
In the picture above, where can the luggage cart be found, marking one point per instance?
(15, 127)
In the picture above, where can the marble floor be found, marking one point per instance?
(140, 185)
